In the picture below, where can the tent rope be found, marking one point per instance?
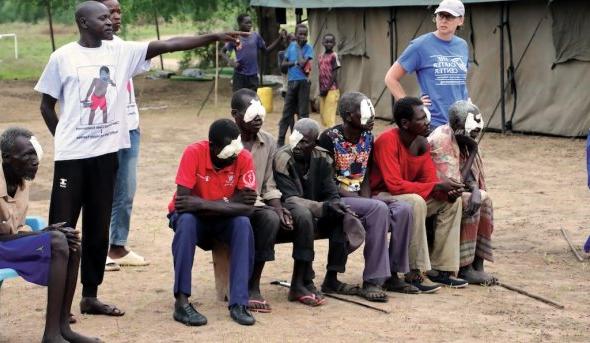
(510, 71)
(516, 69)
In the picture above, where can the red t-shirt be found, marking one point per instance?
(397, 171)
(196, 172)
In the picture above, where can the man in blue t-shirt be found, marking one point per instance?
(298, 58)
(440, 60)
(246, 63)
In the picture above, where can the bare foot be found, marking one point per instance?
(74, 337)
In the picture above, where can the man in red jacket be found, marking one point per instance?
(403, 170)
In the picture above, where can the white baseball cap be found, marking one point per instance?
(454, 7)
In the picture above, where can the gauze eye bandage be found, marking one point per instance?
(254, 110)
(295, 138)
(232, 149)
(367, 111)
(37, 147)
(471, 122)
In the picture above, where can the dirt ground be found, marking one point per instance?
(538, 186)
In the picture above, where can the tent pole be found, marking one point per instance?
(392, 42)
(502, 93)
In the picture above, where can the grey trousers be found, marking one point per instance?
(374, 215)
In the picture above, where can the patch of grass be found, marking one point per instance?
(34, 48)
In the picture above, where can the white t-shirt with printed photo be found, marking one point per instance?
(132, 109)
(91, 86)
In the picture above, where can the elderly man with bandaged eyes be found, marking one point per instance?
(304, 175)
(456, 155)
(216, 191)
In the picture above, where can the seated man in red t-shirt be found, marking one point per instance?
(403, 169)
(216, 184)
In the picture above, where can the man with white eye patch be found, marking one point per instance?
(403, 170)
(303, 172)
(350, 145)
(269, 215)
(455, 154)
(216, 183)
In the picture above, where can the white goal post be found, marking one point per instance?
(7, 35)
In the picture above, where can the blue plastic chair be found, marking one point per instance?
(36, 224)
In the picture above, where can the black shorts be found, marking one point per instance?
(244, 81)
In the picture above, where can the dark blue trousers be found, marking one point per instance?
(191, 230)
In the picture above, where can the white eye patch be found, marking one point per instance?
(367, 111)
(254, 110)
(295, 138)
(232, 149)
(471, 123)
(37, 147)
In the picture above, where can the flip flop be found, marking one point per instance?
(259, 306)
(343, 289)
(104, 309)
(313, 289)
(131, 259)
(309, 299)
(111, 266)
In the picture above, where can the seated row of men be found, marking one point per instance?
(238, 188)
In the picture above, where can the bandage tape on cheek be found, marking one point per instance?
(295, 138)
(232, 149)
(367, 111)
(254, 110)
(37, 147)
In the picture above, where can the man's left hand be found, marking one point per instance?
(187, 203)
(474, 202)
(285, 217)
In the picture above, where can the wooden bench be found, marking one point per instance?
(220, 253)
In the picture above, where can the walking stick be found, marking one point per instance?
(288, 285)
(530, 295)
(572, 247)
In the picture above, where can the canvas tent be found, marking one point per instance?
(546, 49)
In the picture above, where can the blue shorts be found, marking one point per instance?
(28, 254)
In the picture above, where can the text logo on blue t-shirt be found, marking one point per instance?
(449, 70)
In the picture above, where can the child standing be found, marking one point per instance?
(329, 63)
(298, 59)
(246, 63)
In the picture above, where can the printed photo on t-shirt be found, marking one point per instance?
(98, 92)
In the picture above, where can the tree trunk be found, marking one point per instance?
(269, 30)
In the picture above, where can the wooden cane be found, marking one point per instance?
(530, 295)
(569, 242)
(287, 285)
